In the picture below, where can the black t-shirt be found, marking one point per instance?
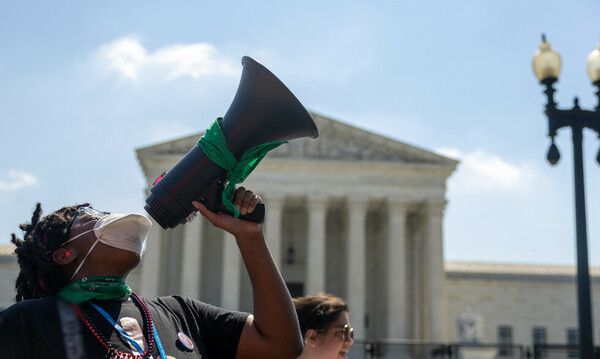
(32, 328)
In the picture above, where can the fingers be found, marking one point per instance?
(210, 215)
(219, 220)
(237, 227)
(245, 200)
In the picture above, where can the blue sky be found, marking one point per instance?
(86, 83)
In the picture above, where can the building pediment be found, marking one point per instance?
(337, 141)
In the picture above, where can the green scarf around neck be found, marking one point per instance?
(214, 145)
(109, 287)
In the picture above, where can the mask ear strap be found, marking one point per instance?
(84, 258)
(77, 236)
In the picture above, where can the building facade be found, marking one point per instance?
(518, 303)
(361, 216)
(343, 213)
(8, 274)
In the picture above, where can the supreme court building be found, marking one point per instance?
(351, 213)
(360, 216)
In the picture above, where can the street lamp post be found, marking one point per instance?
(546, 66)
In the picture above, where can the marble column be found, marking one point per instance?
(315, 256)
(397, 286)
(435, 254)
(192, 252)
(274, 205)
(357, 263)
(416, 273)
(231, 281)
(150, 275)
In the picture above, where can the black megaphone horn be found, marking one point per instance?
(263, 110)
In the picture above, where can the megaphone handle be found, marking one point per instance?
(257, 216)
(211, 198)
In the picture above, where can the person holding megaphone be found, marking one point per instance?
(72, 297)
(73, 300)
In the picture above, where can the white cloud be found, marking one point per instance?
(16, 180)
(485, 171)
(127, 57)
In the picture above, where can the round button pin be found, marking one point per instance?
(185, 341)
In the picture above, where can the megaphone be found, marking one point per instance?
(263, 110)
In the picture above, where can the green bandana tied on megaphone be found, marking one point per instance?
(214, 145)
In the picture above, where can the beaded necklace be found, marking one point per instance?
(111, 352)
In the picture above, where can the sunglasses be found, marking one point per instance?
(86, 214)
(347, 333)
(82, 216)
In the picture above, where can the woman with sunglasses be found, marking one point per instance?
(73, 301)
(325, 326)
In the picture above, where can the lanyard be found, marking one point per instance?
(72, 337)
(159, 345)
(122, 331)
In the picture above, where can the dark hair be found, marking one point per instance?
(39, 275)
(318, 311)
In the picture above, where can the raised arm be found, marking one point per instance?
(273, 330)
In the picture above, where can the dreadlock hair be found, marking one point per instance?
(39, 275)
(318, 311)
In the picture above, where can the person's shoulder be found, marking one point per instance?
(175, 301)
(179, 304)
(29, 306)
(26, 312)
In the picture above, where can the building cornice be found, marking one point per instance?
(515, 272)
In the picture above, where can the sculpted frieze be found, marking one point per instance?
(337, 141)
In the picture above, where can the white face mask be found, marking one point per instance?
(123, 231)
